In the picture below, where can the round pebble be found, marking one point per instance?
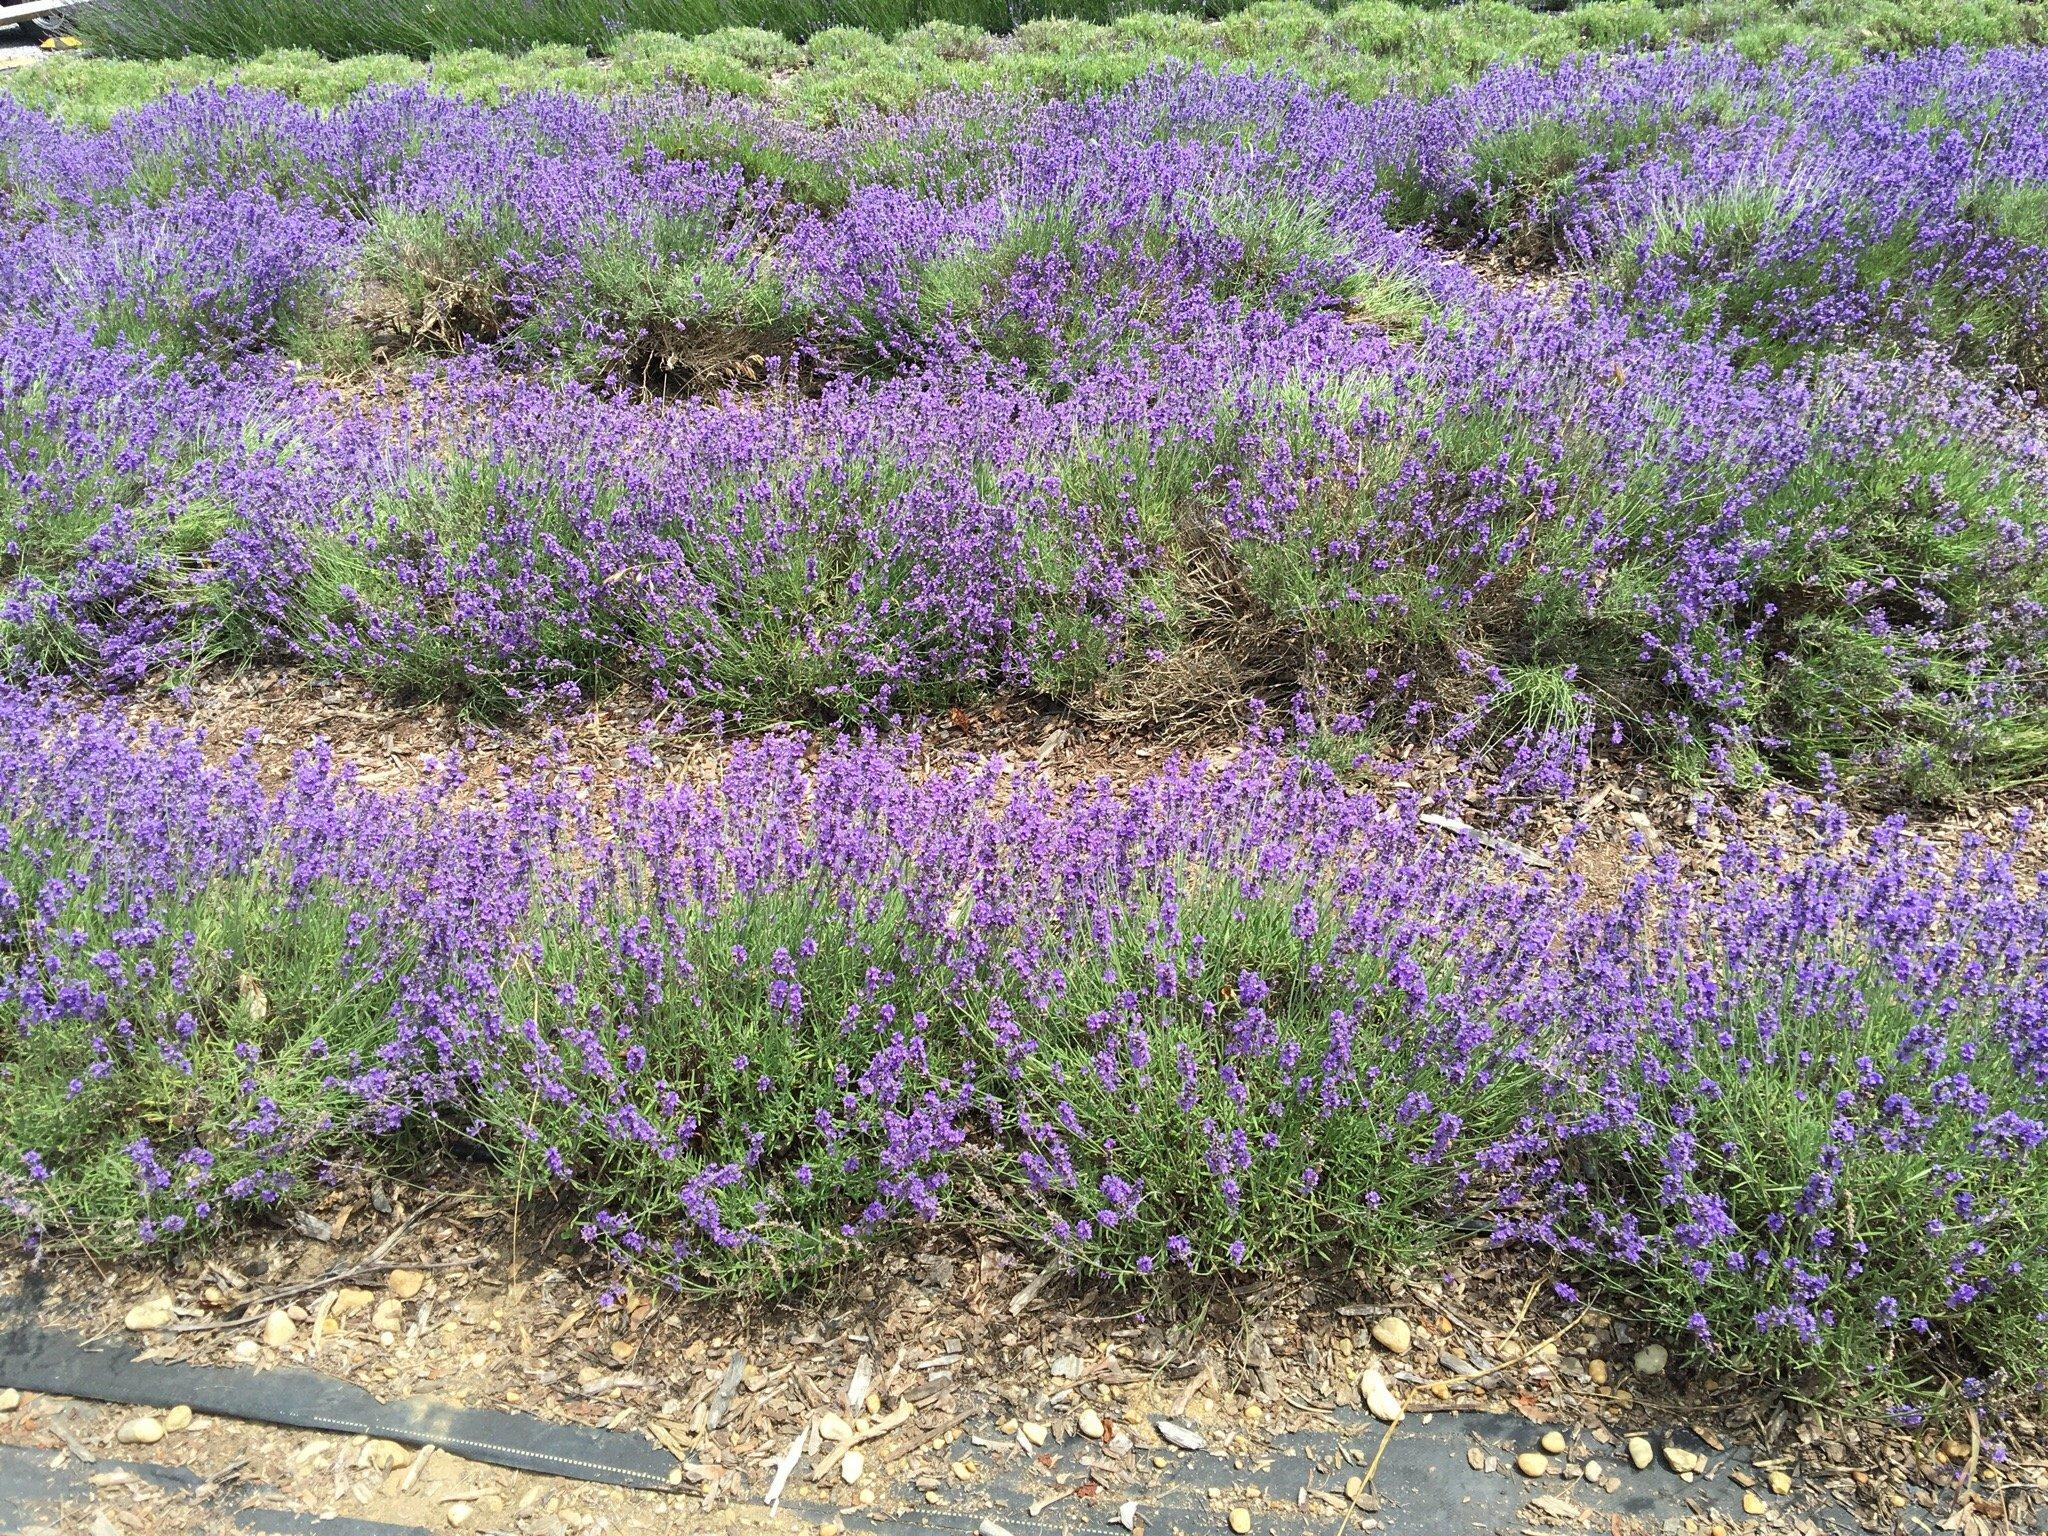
(1650, 1361)
(1552, 1443)
(1594, 1472)
(1089, 1422)
(246, 1351)
(349, 1300)
(9, 1399)
(458, 1514)
(141, 1431)
(852, 1468)
(1640, 1452)
(1532, 1463)
(279, 1330)
(1240, 1520)
(1380, 1401)
(178, 1418)
(405, 1283)
(149, 1315)
(1392, 1334)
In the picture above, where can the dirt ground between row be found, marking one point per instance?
(959, 1363)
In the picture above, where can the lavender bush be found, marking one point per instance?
(1238, 1016)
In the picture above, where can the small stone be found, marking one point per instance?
(10, 1399)
(990, 1528)
(1037, 1434)
(1180, 1435)
(389, 1316)
(279, 1330)
(178, 1418)
(1532, 1463)
(1781, 1483)
(1640, 1452)
(852, 1468)
(1475, 1458)
(348, 1301)
(1552, 1443)
(1089, 1422)
(246, 1352)
(1753, 1504)
(1592, 1472)
(149, 1315)
(1380, 1401)
(1597, 1369)
(1392, 1334)
(1651, 1360)
(834, 1428)
(457, 1514)
(405, 1283)
(385, 1455)
(1679, 1459)
(1240, 1520)
(1354, 1487)
(142, 1431)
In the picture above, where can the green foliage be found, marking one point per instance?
(664, 308)
(1930, 529)
(911, 49)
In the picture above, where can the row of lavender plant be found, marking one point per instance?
(1781, 208)
(1238, 1017)
(1106, 384)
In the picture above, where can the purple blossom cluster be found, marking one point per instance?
(1238, 1015)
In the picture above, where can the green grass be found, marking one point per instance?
(320, 53)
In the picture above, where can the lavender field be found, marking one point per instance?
(1670, 404)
